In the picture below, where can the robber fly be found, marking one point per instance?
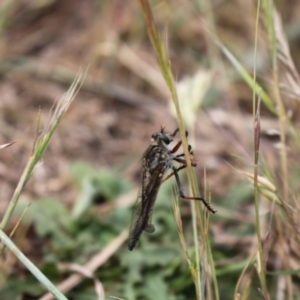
(157, 160)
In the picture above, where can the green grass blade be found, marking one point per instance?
(247, 77)
(42, 144)
(31, 267)
(166, 70)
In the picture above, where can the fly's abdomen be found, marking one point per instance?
(155, 162)
(143, 220)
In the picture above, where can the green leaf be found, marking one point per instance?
(160, 256)
(103, 184)
(80, 171)
(110, 184)
(156, 288)
(238, 195)
(85, 198)
(14, 289)
(52, 218)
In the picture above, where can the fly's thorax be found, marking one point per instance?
(155, 163)
(166, 142)
(156, 155)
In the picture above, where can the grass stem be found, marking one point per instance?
(31, 267)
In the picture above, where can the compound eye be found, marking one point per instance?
(164, 138)
(154, 136)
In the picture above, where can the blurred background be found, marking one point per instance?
(82, 191)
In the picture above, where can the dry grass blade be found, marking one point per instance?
(267, 239)
(198, 270)
(292, 86)
(260, 257)
(6, 145)
(267, 188)
(91, 266)
(61, 106)
(165, 67)
(249, 262)
(176, 210)
(6, 9)
(283, 118)
(88, 274)
(263, 297)
(257, 133)
(131, 60)
(243, 72)
(166, 70)
(284, 55)
(42, 143)
(19, 221)
(263, 182)
(237, 296)
(16, 226)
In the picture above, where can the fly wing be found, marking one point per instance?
(141, 220)
(139, 223)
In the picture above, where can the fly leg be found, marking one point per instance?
(190, 151)
(183, 161)
(176, 147)
(184, 165)
(175, 172)
(170, 175)
(175, 132)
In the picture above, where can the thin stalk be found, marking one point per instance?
(214, 275)
(282, 113)
(211, 259)
(176, 210)
(206, 9)
(256, 122)
(268, 10)
(6, 10)
(200, 290)
(195, 209)
(261, 265)
(247, 264)
(165, 67)
(42, 143)
(255, 58)
(243, 72)
(31, 267)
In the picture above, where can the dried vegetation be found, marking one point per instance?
(122, 101)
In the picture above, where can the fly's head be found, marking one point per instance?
(161, 138)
